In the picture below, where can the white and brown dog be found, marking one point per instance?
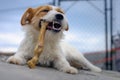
(64, 57)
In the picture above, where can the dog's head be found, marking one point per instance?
(54, 15)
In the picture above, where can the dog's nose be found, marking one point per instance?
(59, 16)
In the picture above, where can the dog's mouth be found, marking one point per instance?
(54, 26)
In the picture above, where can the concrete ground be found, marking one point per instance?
(16, 72)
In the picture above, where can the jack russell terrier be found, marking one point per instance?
(63, 56)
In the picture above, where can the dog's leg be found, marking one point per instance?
(73, 55)
(63, 65)
(82, 61)
(18, 57)
(24, 51)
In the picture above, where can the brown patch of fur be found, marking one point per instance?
(33, 16)
(27, 16)
(38, 14)
(59, 10)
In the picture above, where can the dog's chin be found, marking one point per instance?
(54, 26)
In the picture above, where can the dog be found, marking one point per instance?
(63, 56)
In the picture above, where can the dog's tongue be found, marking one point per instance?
(55, 26)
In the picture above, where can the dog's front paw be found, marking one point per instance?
(16, 60)
(70, 70)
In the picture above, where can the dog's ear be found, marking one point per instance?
(67, 28)
(27, 16)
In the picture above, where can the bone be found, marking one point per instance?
(40, 45)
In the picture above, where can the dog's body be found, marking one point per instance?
(55, 50)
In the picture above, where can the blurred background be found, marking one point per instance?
(94, 27)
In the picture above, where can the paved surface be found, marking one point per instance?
(16, 72)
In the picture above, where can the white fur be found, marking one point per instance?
(55, 50)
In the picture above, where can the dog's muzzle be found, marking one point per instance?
(54, 26)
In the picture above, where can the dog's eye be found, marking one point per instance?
(45, 10)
